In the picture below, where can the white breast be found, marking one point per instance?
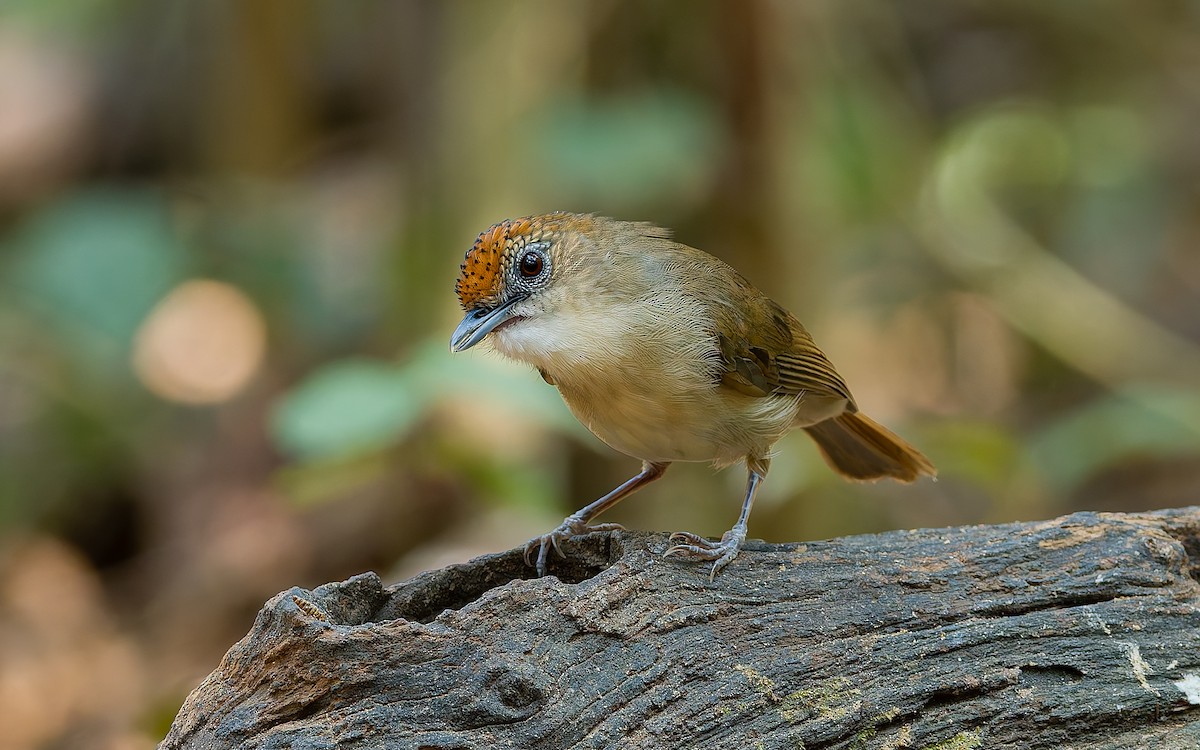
(648, 387)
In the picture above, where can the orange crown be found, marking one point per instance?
(481, 274)
(482, 271)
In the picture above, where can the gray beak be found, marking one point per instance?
(479, 323)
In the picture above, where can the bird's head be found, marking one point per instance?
(512, 273)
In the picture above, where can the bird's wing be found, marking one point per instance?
(761, 349)
(764, 350)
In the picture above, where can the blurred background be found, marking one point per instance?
(229, 232)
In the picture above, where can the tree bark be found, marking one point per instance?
(1082, 632)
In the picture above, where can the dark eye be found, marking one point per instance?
(531, 264)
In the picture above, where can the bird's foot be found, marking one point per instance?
(695, 547)
(572, 526)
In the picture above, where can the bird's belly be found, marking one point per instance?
(656, 434)
(706, 424)
(651, 431)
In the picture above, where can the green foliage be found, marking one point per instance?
(340, 423)
(619, 153)
(347, 406)
(876, 166)
(872, 164)
(93, 265)
(1137, 421)
(980, 452)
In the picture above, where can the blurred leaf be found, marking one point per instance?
(438, 374)
(857, 151)
(631, 149)
(332, 477)
(512, 483)
(320, 273)
(95, 264)
(982, 452)
(799, 469)
(1121, 203)
(1111, 144)
(1018, 142)
(86, 18)
(345, 407)
(1144, 420)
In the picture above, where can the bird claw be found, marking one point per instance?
(687, 538)
(696, 547)
(569, 528)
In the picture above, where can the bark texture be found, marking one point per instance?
(1082, 632)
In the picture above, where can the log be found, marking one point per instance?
(1082, 632)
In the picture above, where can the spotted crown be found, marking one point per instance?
(482, 273)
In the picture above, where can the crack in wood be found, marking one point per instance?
(915, 639)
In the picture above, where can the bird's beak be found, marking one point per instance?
(480, 322)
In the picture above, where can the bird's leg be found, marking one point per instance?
(721, 553)
(577, 524)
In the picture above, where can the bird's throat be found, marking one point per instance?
(507, 323)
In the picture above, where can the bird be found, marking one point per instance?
(665, 353)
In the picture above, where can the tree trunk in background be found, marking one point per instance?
(1083, 632)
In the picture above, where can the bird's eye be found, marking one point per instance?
(531, 264)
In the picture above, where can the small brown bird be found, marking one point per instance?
(666, 354)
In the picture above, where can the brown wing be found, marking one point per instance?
(804, 368)
(761, 348)
(765, 350)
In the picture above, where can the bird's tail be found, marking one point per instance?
(859, 448)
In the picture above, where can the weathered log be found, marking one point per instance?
(1083, 632)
